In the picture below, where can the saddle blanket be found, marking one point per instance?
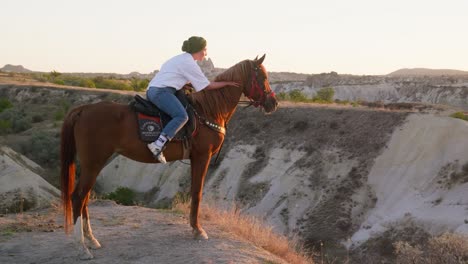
(149, 127)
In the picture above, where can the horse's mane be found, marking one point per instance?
(220, 103)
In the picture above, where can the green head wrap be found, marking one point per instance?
(194, 44)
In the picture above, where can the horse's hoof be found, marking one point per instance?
(200, 234)
(86, 255)
(93, 243)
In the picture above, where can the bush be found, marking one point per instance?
(59, 115)
(5, 104)
(282, 96)
(14, 121)
(21, 125)
(114, 84)
(87, 83)
(139, 85)
(460, 115)
(122, 195)
(59, 81)
(297, 96)
(325, 95)
(447, 248)
(43, 148)
(5, 126)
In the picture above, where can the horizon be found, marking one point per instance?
(359, 38)
(144, 73)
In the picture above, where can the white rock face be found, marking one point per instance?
(411, 179)
(163, 180)
(18, 182)
(454, 95)
(367, 92)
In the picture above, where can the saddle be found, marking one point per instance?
(151, 120)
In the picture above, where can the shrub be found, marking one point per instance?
(59, 115)
(297, 96)
(139, 85)
(122, 195)
(447, 248)
(325, 95)
(59, 81)
(21, 125)
(43, 148)
(460, 115)
(87, 83)
(5, 104)
(14, 120)
(5, 126)
(282, 96)
(114, 84)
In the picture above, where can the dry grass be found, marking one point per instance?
(42, 221)
(251, 229)
(446, 249)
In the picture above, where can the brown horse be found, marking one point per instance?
(94, 132)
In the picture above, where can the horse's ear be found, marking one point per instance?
(260, 61)
(256, 58)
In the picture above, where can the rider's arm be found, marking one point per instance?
(217, 85)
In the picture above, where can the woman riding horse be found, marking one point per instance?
(173, 75)
(94, 132)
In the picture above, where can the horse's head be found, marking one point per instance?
(258, 89)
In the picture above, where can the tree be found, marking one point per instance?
(54, 74)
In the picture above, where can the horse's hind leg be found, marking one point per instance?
(90, 240)
(87, 178)
(78, 201)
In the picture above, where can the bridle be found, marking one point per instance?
(255, 90)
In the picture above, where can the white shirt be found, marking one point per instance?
(178, 71)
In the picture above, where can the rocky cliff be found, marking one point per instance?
(447, 90)
(338, 174)
(335, 175)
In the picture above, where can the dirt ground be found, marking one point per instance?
(128, 234)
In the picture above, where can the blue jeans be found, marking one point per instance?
(164, 98)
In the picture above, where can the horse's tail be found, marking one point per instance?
(67, 171)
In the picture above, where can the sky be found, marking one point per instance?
(304, 36)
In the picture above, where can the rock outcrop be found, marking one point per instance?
(21, 188)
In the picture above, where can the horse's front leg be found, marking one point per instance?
(199, 169)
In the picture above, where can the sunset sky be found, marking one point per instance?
(307, 36)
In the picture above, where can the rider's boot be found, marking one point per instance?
(157, 148)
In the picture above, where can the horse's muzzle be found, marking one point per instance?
(271, 104)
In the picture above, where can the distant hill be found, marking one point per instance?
(425, 71)
(14, 68)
